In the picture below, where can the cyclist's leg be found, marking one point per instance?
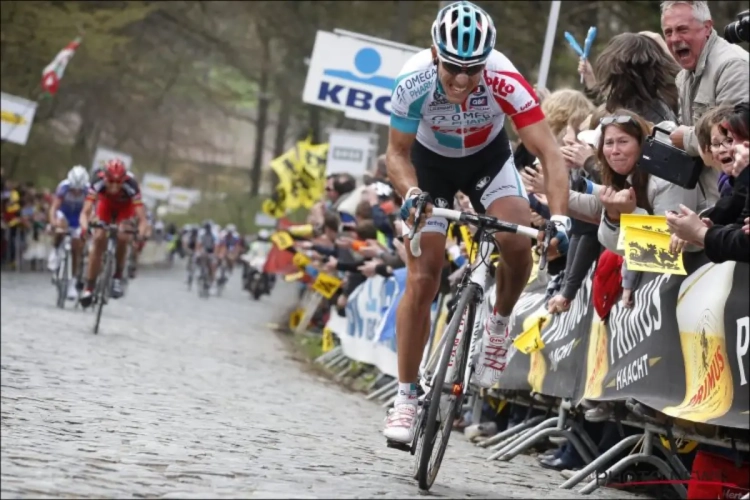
(95, 259)
(60, 223)
(422, 285)
(503, 196)
(121, 250)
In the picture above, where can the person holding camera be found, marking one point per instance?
(714, 72)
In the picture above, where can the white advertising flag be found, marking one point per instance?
(103, 155)
(156, 187)
(355, 74)
(16, 118)
(181, 199)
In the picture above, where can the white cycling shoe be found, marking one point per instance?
(400, 423)
(53, 261)
(493, 355)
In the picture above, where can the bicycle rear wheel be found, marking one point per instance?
(448, 395)
(103, 288)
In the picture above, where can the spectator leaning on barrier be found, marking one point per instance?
(713, 72)
(721, 233)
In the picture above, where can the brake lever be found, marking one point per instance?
(549, 233)
(420, 203)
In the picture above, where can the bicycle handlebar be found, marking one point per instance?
(481, 220)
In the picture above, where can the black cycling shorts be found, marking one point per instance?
(485, 176)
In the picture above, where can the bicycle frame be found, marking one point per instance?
(477, 276)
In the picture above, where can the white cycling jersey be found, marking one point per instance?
(419, 106)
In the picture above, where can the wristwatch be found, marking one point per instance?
(563, 220)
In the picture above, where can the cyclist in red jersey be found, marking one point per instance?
(118, 198)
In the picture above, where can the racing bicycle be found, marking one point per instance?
(103, 287)
(446, 376)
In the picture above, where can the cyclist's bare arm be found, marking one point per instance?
(53, 208)
(401, 172)
(83, 219)
(540, 142)
(140, 212)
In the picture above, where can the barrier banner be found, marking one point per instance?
(369, 333)
(554, 370)
(682, 348)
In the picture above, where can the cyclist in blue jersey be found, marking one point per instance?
(446, 135)
(64, 212)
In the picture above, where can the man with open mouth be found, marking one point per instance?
(714, 72)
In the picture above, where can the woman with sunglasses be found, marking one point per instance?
(449, 107)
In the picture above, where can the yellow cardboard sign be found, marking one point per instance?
(282, 240)
(656, 223)
(300, 260)
(294, 276)
(649, 251)
(531, 340)
(327, 341)
(326, 285)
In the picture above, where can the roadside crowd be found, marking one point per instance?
(687, 92)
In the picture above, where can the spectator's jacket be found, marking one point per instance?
(720, 77)
(729, 242)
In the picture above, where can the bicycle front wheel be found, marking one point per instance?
(102, 292)
(443, 403)
(62, 281)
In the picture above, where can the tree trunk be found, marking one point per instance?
(282, 125)
(262, 123)
(167, 146)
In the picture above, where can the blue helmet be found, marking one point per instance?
(463, 34)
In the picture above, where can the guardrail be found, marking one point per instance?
(679, 356)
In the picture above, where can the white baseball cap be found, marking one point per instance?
(591, 137)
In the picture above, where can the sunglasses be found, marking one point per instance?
(609, 120)
(455, 69)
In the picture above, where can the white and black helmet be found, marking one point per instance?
(463, 34)
(78, 177)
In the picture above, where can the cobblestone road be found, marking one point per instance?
(179, 397)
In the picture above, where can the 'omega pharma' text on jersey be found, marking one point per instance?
(419, 105)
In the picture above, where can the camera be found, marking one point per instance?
(738, 31)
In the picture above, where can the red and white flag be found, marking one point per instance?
(54, 71)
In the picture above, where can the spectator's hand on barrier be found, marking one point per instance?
(627, 298)
(558, 304)
(577, 154)
(676, 244)
(400, 249)
(344, 242)
(618, 202)
(368, 268)
(537, 220)
(687, 225)
(746, 227)
(678, 137)
(331, 264)
(370, 250)
(341, 302)
(533, 180)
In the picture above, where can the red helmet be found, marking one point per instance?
(115, 170)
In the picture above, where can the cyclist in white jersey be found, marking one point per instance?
(449, 107)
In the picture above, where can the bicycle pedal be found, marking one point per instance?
(398, 446)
